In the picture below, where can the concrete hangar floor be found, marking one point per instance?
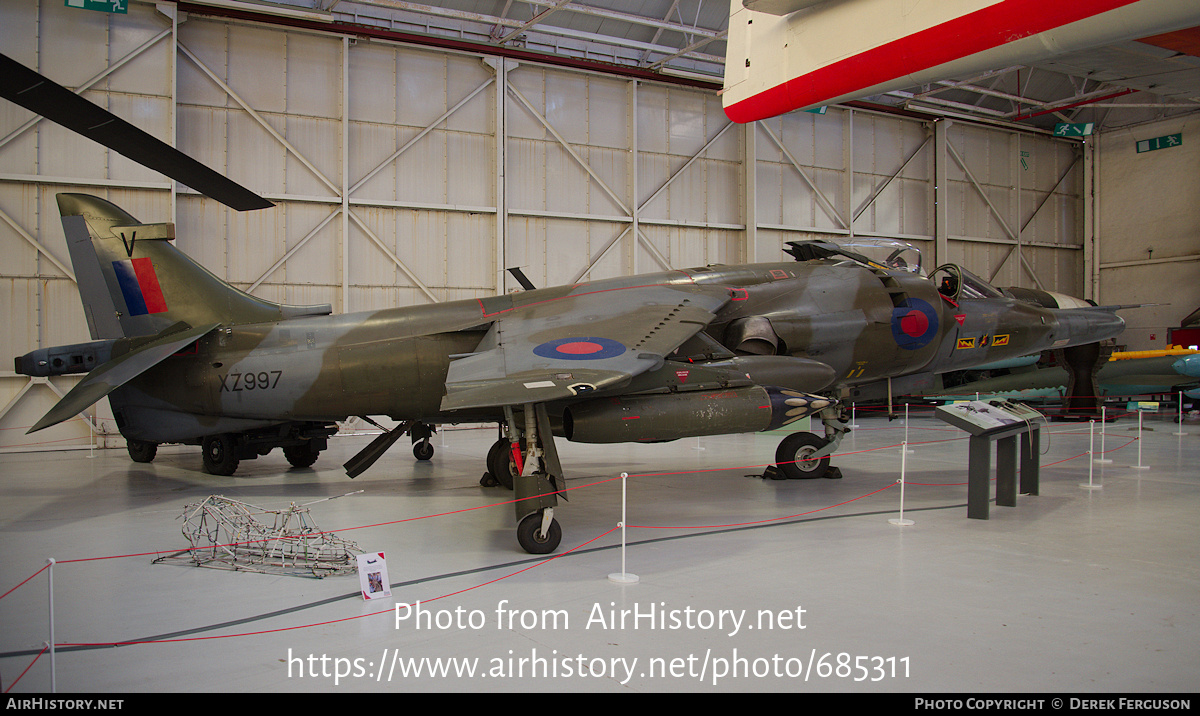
(745, 584)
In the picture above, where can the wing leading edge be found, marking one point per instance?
(585, 342)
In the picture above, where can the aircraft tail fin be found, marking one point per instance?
(134, 282)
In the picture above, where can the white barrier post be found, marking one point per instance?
(623, 577)
(906, 450)
(1140, 466)
(1180, 432)
(50, 591)
(903, 465)
(853, 419)
(1091, 448)
(1103, 421)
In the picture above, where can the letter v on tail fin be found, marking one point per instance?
(134, 282)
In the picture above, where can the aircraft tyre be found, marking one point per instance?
(500, 463)
(301, 455)
(220, 454)
(792, 454)
(422, 450)
(529, 534)
(141, 451)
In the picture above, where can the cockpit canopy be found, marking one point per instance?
(881, 253)
(956, 283)
(889, 253)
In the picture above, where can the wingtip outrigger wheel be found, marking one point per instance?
(539, 533)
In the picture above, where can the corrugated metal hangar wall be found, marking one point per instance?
(405, 175)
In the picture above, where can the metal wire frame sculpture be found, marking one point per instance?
(234, 535)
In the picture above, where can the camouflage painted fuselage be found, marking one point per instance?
(184, 355)
(864, 324)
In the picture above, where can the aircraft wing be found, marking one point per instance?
(106, 378)
(581, 343)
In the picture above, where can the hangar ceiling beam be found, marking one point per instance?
(690, 48)
(555, 7)
(613, 40)
(633, 19)
(968, 83)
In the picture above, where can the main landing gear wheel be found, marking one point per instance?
(141, 451)
(220, 454)
(301, 455)
(533, 541)
(500, 464)
(794, 457)
(423, 450)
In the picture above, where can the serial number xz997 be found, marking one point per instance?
(237, 382)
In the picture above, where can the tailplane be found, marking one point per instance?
(134, 282)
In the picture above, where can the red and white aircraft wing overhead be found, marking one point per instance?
(784, 55)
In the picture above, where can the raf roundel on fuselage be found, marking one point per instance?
(914, 324)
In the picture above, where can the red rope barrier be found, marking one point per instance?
(761, 522)
(343, 619)
(27, 668)
(43, 569)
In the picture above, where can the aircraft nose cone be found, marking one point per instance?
(1188, 365)
(1080, 326)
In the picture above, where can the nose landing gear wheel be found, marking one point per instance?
(794, 457)
(533, 541)
(423, 450)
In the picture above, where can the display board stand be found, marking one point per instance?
(1000, 422)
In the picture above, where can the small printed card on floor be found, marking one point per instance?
(373, 576)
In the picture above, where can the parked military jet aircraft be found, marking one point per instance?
(186, 358)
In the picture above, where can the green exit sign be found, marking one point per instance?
(118, 6)
(1149, 145)
(1073, 129)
